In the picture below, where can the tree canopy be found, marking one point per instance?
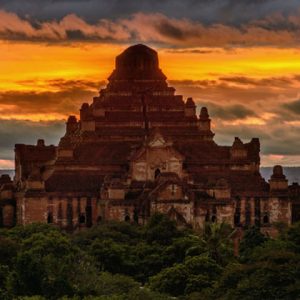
(118, 260)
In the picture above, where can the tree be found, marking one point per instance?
(271, 272)
(4, 274)
(188, 245)
(23, 232)
(194, 275)
(171, 280)
(293, 236)
(217, 241)
(49, 265)
(108, 254)
(109, 284)
(251, 239)
(8, 250)
(161, 229)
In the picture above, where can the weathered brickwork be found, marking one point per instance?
(138, 148)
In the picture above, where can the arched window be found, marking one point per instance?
(266, 219)
(156, 173)
(257, 211)
(88, 213)
(50, 217)
(248, 213)
(237, 219)
(136, 216)
(70, 214)
(82, 218)
(214, 214)
(207, 216)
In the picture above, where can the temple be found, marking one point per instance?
(136, 149)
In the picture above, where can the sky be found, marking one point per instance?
(241, 59)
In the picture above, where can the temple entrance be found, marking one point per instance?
(266, 219)
(82, 219)
(50, 218)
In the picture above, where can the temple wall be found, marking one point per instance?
(278, 185)
(33, 158)
(225, 213)
(156, 158)
(66, 212)
(172, 191)
(88, 125)
(116, 193)
(280, 210)
(35, 185)
(120, 212)
(66, 153)
(8, 215)
(6, 194)
(34, 210)
(184, 209)
(222, 193)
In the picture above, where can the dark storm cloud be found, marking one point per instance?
(172, 29)
(239, 90)
(229, 112)
(293, 106)
(17, 132)
(66, 98)
(207, 11)
(179, 24)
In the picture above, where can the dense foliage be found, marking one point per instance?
(156, 261)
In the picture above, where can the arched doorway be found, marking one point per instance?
(81, 218)
(50, 217)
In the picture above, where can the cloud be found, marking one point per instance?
(208, 12)
(276, 138)
(6, 164)
(229, 112)
(259, 94)
(192, 51)
(151, 28)
(63, 98)
(270, 81)
(293, 106)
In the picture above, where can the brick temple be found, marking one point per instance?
(138, 148)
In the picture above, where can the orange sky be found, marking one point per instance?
(41, 62)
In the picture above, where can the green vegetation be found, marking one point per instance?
(119, 261)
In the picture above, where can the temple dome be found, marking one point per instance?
(137, 62)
